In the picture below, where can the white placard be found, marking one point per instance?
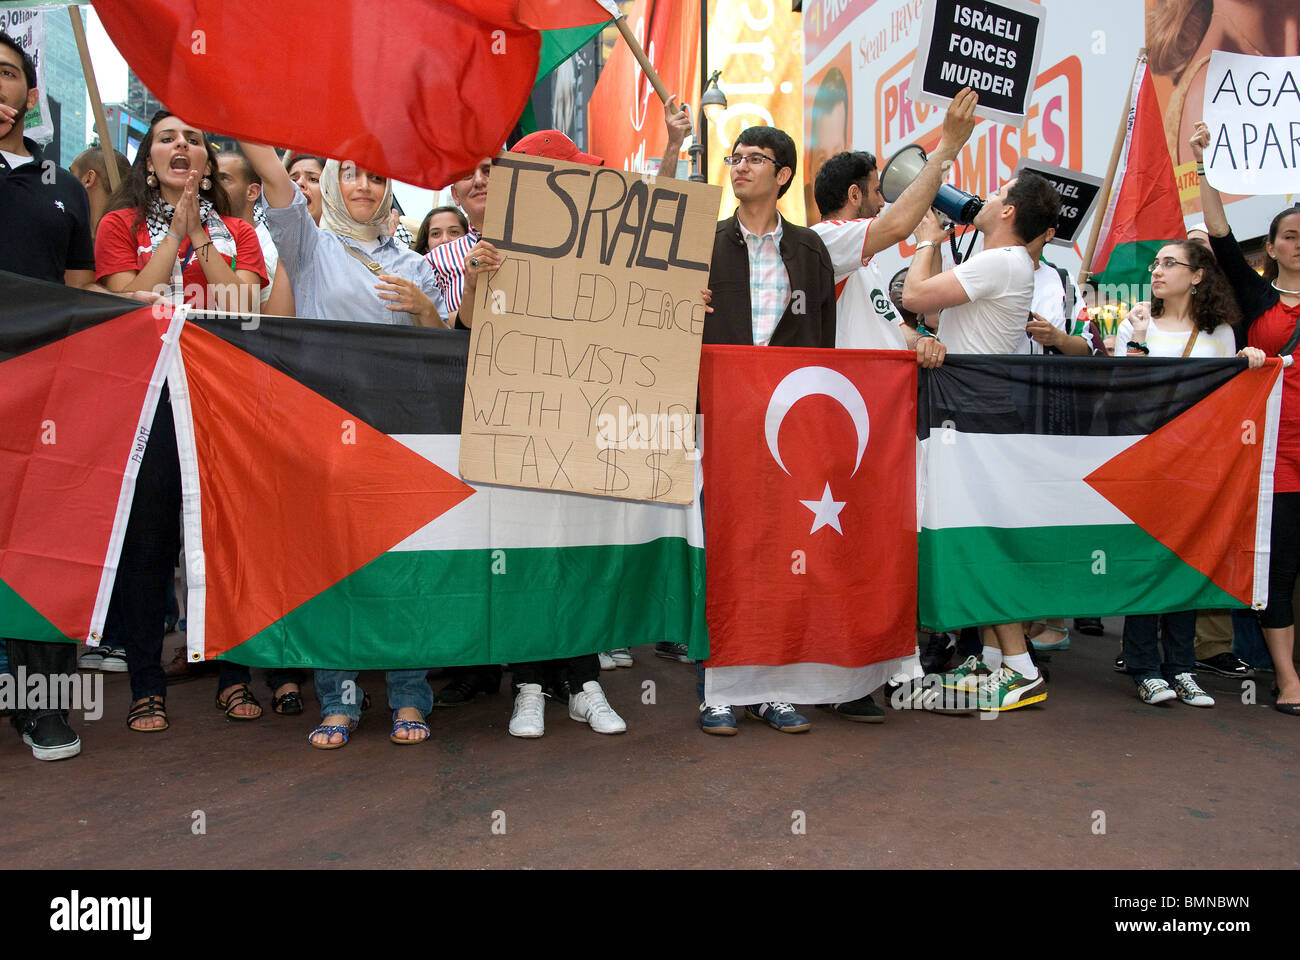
(1252, 107)
(27, 27)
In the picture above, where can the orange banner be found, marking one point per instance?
(625, 116)
(758, 46)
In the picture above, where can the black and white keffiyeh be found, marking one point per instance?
(158, 220)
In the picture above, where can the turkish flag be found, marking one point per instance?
(809, 505)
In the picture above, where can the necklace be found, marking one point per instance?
(1290, 293)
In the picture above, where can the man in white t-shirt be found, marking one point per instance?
(847, 190)
(984, 308)
(1052, 320)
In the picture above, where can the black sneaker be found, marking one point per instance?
(862, 710)
(938, 652)
(1119, 664)
(1227, 665)
(463, 689)
(673, 651)
(48, 734)
(1089, 626)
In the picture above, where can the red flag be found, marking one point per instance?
(810, 520)
(420, 90)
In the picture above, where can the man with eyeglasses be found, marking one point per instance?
(772, 284)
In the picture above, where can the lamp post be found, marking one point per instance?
(712, 103)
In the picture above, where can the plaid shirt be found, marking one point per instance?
(769, 283)
(448, 262)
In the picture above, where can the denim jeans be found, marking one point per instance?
(1248, 640)
(406, 688)
(1141, 647)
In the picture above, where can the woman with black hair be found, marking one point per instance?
(168, 230)
(1270, 308)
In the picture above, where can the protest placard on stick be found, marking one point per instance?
(1252, 107)
(991, 47)
(1079, 192)
(584, 354)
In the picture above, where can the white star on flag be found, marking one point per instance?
(826, 511)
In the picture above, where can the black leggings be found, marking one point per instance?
(1284, 562)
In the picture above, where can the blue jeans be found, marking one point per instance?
(1141, 648)
(1248, 640)
(406, 688)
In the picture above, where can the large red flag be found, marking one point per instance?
(809, 520)
(420, 90)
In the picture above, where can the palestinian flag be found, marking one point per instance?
(326, 526)
(380, 79)
(1061, 486)
(1143, 210)
(80, 378)
(810, 494)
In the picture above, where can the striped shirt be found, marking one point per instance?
(448, 262)
(769, 283)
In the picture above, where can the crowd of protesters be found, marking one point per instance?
(252, 230)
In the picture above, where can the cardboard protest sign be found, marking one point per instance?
(1078, 191)
(1252, 107)
(27, 28)
(585, 348)
(993, 48)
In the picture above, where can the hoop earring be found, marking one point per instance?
(205, 184)
(151, 180)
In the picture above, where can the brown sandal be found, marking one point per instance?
(147, 707)
(240, 695)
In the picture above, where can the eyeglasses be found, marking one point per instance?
(1168, 263)
(753, 159)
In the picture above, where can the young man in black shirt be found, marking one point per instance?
(45, 234)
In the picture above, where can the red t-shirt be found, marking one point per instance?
(118, 250)
(1270, 333)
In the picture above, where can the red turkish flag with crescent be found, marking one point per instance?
(810, 514)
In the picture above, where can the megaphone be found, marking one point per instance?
(905, 166)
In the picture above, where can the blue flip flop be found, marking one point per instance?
(329, 729)
(408, 725)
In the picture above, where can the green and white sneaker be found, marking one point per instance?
(1007, 690)
(967, 676)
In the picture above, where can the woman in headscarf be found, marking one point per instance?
(349, 269)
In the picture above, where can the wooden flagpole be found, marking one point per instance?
(96, 105)
(646, 66)
(1085, 270)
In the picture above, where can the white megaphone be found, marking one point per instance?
(905, 166)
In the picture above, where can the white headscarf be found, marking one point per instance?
(334, 215)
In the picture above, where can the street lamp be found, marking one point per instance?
(712, 103)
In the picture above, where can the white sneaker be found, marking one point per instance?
(1154, 690)
(606, 661)
(528, 719)
(622, 657)
(590, 706)
(1190, 692)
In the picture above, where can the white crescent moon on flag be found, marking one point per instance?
(806, 382)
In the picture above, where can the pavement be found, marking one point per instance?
(1093, 778)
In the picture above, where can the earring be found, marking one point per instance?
(1193, 289)
(151, 180)
(205, 184)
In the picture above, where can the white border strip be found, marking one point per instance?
(170, 350)
(794, 683)
(191, 510)
(1264, 505)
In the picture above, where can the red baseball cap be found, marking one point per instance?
(555, 146)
